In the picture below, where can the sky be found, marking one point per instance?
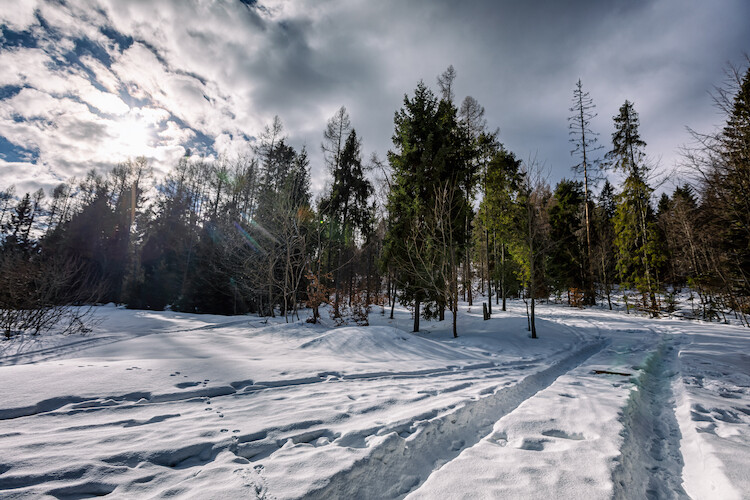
(90, 83)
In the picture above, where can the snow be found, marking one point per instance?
(163, 404)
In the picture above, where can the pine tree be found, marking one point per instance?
(605, 211)
(627, 147)
(427, 208)
(347, 207)
(676, 221)
(338, 128)
(734, 185)
(636, 241)
(531, 240)
(568, 262)
(18, 230)
(501, 183)
(472, 126)
(585, 142)
(445, 82)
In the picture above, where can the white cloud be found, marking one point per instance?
(224, 70)
(27, 177)
(20, 16)
(176, 134)
(232, 146)
(102, 74)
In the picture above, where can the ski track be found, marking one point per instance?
(431, 435)
(421, 448)
(650, 465)
(248, 387)
(240, 387)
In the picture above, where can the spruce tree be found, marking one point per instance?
(734, 185)
(501, 182)
(568, 259)
(604, 215)
(18, 230)
(337, 130)
(636, 240)
(347, 208)
(426, 206)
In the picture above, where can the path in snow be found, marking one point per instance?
(650, 465)
(420, 448)
(169, 405)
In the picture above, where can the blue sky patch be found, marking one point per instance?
(13, 153)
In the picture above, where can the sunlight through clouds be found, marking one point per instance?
(82, 79)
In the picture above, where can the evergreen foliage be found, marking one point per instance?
(567, 259)
(239, 235)
(638, 251)
(427, 208)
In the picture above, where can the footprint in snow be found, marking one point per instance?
(184, 385)
(533, 444)
(576, 436)
(500, 438)
(727, 416)
(708, 429)
(699, 408)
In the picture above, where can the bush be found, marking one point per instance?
(41, 295)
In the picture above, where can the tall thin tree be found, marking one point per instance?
(585, 144)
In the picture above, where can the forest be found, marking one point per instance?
(449, 215)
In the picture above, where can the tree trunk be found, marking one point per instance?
(606, 282)
(388, 287)
(367, 280)
(455, 317)
(351, 282)
(454, 289)
(393, 298)
(416, 315)
(482, 273)
(489, 276)
(502, 275)
(532, 273)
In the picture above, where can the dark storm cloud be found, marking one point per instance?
(522, 60)
(211, 74)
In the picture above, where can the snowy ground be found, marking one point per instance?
(166, 404)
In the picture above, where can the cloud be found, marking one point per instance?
(91, 83)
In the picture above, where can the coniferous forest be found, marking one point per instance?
(449, 215)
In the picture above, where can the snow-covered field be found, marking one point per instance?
(161, 404)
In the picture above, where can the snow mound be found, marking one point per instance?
(381, 343)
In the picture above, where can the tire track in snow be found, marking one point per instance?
(650, 464)
(400, 462)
